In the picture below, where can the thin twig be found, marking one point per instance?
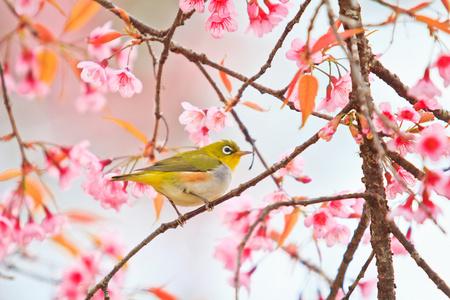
(360, 276)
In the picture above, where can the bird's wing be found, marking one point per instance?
(186, 163)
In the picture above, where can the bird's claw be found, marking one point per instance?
(209, 206)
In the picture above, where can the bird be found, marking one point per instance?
(193, 177)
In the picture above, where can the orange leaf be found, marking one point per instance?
(81, 216)
(162, 294)
(419, 7)
(307, 91)
(289, 223)
(63, 241)
(292, 86)
(446, 4)
(123, 15)
(158, 203)
(330, 38)
(105, 38)
(9, 174)
(130, 128)
(52, 2)
(48, 62)
(444, 26)
(253, 105)
(34, 189)
(226, 81)
(337, 24)
(44, 34)
(81, 13)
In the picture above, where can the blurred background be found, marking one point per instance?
(182, 260)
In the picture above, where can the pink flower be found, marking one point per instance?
(53, 223)
(223, 7)
(111, 244)
(192, 117)
(125, 82)
(90, 99)
(277, 12)
(294, 167)
(227, 252)
(139, 189)
(339, 233)
(429, 210)
(443, 186)
(201, 137)
(427, 103)
(6, 226)
(404, 210)
(397, 248)
(27, 62)
(31, 88)
(126, 57)
(28, 7)
(402, 143)
(217, 25)
(341, 208)
(339, 94)
(322, 221)
(367, 287)
(276, 197)
(328, 131)
(113, 194)
(443, 65)
(244, 279)
(394, 187)
(238, 214)
(102, 51)
(433, 142)
(31, 231)
(186, 5)
(259, 20)
(9, 80)
(379, 124)
(93, 73)
(217, 119)
(409, 114)
(424, 88)
(303, 58)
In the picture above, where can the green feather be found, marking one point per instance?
(191, 161)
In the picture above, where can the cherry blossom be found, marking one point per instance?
(105, 50)
(294, 167)
(28, 7)
(341, 208)
(27, 62)
(217, 119)
(192, 117)
(407, 113)
(405, 210)
(338, 234)
(424, 88)
(426, 210)
(395, 187)
(139, 189)
(427, 103)
(223, 7)
(386, 111)
(277, 11)
(93, 73)
(244, 279)
(187, 5)
(31, 231)
(217, 25)
(367, 287)
(238, 214)
(301, 56)
(322, 221)
(31, 88)
(90, 99)
(443, 65)
(338, 96)
(402, 143)
(53, 223)
(227, 252)
(276, 197)
(125, 82)
(201, 137)
(433, 142)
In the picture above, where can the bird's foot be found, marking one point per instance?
(209, 206)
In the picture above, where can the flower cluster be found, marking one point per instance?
(222, 15)
(200, 121)
(324, 220)
(98, 77)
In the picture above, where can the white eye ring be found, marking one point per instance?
(227, 150)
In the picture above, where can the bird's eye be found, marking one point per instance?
(227, 150)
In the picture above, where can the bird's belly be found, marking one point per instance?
(188, 185)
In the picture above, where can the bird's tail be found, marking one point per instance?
(124, 177)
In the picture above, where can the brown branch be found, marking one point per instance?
(8, 107)
(349, 253)
(395, 83)
(360, 276)
(440, 284)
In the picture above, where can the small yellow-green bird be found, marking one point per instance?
(194, 177)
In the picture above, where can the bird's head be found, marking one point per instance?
(227, 151)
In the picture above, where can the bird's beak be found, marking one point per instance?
(242, 153)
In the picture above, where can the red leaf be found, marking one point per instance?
(289, 223)
(161, 294)
(226, 81)
(307, 91)
(123, 15)
(444, 26)
(337, 24)
(81, 13)
(105, 38)
(44, 34)
(446, 4)
(330, 38)
(253, 105)
(292, 86)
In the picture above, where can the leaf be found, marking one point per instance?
(307, 91)
(81, 216)
(9, 174)
(446, 4)
(254, 106)
(158, 203)
(81, 13)
(337, 24)
(419, 7)
(162, 294)
(105, 38)
(48, 62)
(34, 189)
(224, 77)
(44, 34)
(62, 240)
(289, 223)
(444, 26)
(130, 128)
(330, 38)
(53, 2)
(292, 86)
(123, 15)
